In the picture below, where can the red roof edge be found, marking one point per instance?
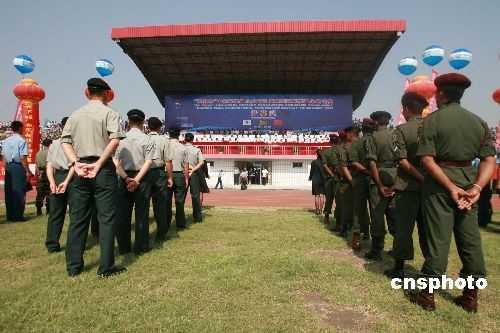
(259, 27)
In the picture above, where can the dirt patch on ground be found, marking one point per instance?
(341, 318)
(13, 263)
(344, 256)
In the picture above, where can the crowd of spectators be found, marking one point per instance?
(262, 137)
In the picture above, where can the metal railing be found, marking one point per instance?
(260, 149)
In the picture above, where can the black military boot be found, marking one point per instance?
(397, 271)
(355, 242)
(39, 211)
(375, 252)
(468, 300)
(424, 299)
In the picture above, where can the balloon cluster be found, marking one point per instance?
(25, 64)
(432, 56)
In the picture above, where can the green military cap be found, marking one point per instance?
(96, 83)
(381, 117)
(136, 115)
(452, 80)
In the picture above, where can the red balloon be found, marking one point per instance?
(424, 88)
(496, 96)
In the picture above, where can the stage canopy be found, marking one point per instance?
(300, 57)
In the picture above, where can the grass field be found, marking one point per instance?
(239, 271)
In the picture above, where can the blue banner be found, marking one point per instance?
(259, 112)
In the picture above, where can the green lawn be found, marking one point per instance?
(239, 271)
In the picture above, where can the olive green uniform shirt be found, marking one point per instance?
(454, 134)
(90, 128)
(405, 144)
(135, 150)
(41, 159)
(178, 153)
(56, 156)
(343, 156)
(162, 149)
(330, 157)
(194, 155)
(378, 148)
(343, 153)
(357, 152)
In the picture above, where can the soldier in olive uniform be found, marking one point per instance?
(407, 200)
(180, 177)
(361, 185)
(133, 160)
(59, 176)
(161, 177)
(42, 187)
(344, 194)
(89, 140)
(196, 176)
(330, 164)
(378, 149)
(449, 140)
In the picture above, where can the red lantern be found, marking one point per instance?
(29, 94)
(29, 90)
(496, 96)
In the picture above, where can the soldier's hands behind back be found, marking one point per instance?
(132, 185)
(81, 169)
(92, 170)
(53, 188)
(460, 197)
(387, 192)
(61, 188)
(473, 195)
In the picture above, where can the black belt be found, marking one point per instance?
(455, 164)
(89, 159)
(14, 162)
(92, 159)
(178, 171)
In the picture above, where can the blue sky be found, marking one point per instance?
(66, 37)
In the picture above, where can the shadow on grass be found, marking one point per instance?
(493, 229)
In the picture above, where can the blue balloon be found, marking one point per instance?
(433, 55)
(460, 58)
(104, 67)
(408, 66)
(24, 64)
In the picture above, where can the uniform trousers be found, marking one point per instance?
(15, 191)
(100, 191)
(127, 201)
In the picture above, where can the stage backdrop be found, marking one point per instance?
(259, 112)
